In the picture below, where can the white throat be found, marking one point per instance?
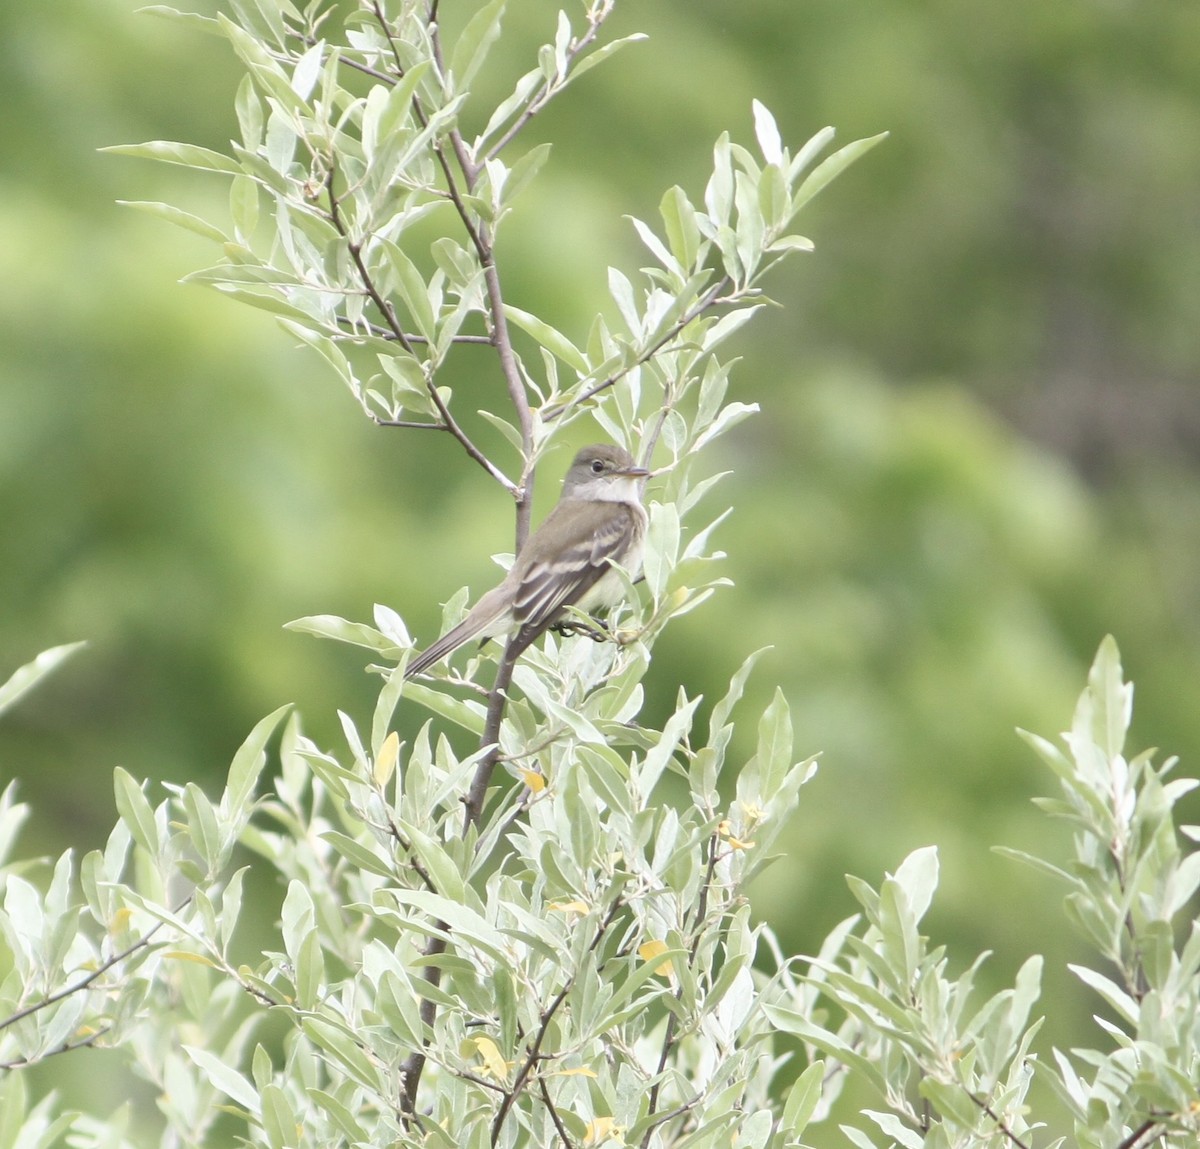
(608, 489)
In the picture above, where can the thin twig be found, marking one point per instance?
(66, 1047)
(534, 1052)
(552, 86)
(1001, 1127)
(393, 322)
(707, 300)
(548, 1101)
(481, 240)
(1146, 1126)
(85, 981)
(672, 1021)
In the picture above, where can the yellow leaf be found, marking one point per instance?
(385, 763)
(534, 779)
(184, 955)
(580, 1072)
(648, 951)
(120, 922)
(601, 1129)
(575, 907)
(494, 1065)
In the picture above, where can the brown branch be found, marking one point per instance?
(393, 323)
(534, 1053)
(85, 981)
(1147, 1126)
(707, 300)
(693, 949)
(497, 698)
(548, 1101)
(1001, 1128)
(552, 86)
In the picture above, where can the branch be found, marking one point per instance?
(693, 949)
(480, 236)
(497, 698)
(553, 85)
(1146, 1126)
(534, 1053)
(393, 323)
(1005, 1131)
(85, 981)
(553, 1110)
(707, 300)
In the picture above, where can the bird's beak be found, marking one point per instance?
(634, 472)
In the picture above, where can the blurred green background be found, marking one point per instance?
(978, 451)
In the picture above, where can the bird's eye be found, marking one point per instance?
(597, 466)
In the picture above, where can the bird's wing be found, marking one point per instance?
(548, 582)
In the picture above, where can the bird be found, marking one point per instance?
(569, 560)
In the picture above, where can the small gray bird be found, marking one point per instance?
(598, 520)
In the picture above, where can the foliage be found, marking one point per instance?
(602, 980)
(574, 962)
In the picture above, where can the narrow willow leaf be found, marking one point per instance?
(136, 812)
(602, 53)
(355, 633)
(679, 222)
(179, 218)
(191, 20)
(187, 155)
(225, 1078)
(767, 134)
(248, 763)
(829, 169)
(474, 42)
(29, 675)
(548, 337)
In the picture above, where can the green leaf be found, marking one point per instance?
(136, 812)
(187, 155)
(1112, 993)
(460, 920)
(951, 1101)
(192, 20)
(767, 133)
(774, 751)
(802, 1100)
(179, 218)
(281, 1122)
(1106, 708)
(474, 42)
(355, 633)
(548, 337)
(829, 169)
(248, 762)
(917, 875)
(896, 1129)
(29, 675)
(202, 826)
(602, 53)
(679, 222)
(524, 171)
(225, 1078)
(468, 715)
(344, 1049)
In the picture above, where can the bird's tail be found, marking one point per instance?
(486, 619)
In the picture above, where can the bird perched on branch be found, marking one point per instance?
(597, 522)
